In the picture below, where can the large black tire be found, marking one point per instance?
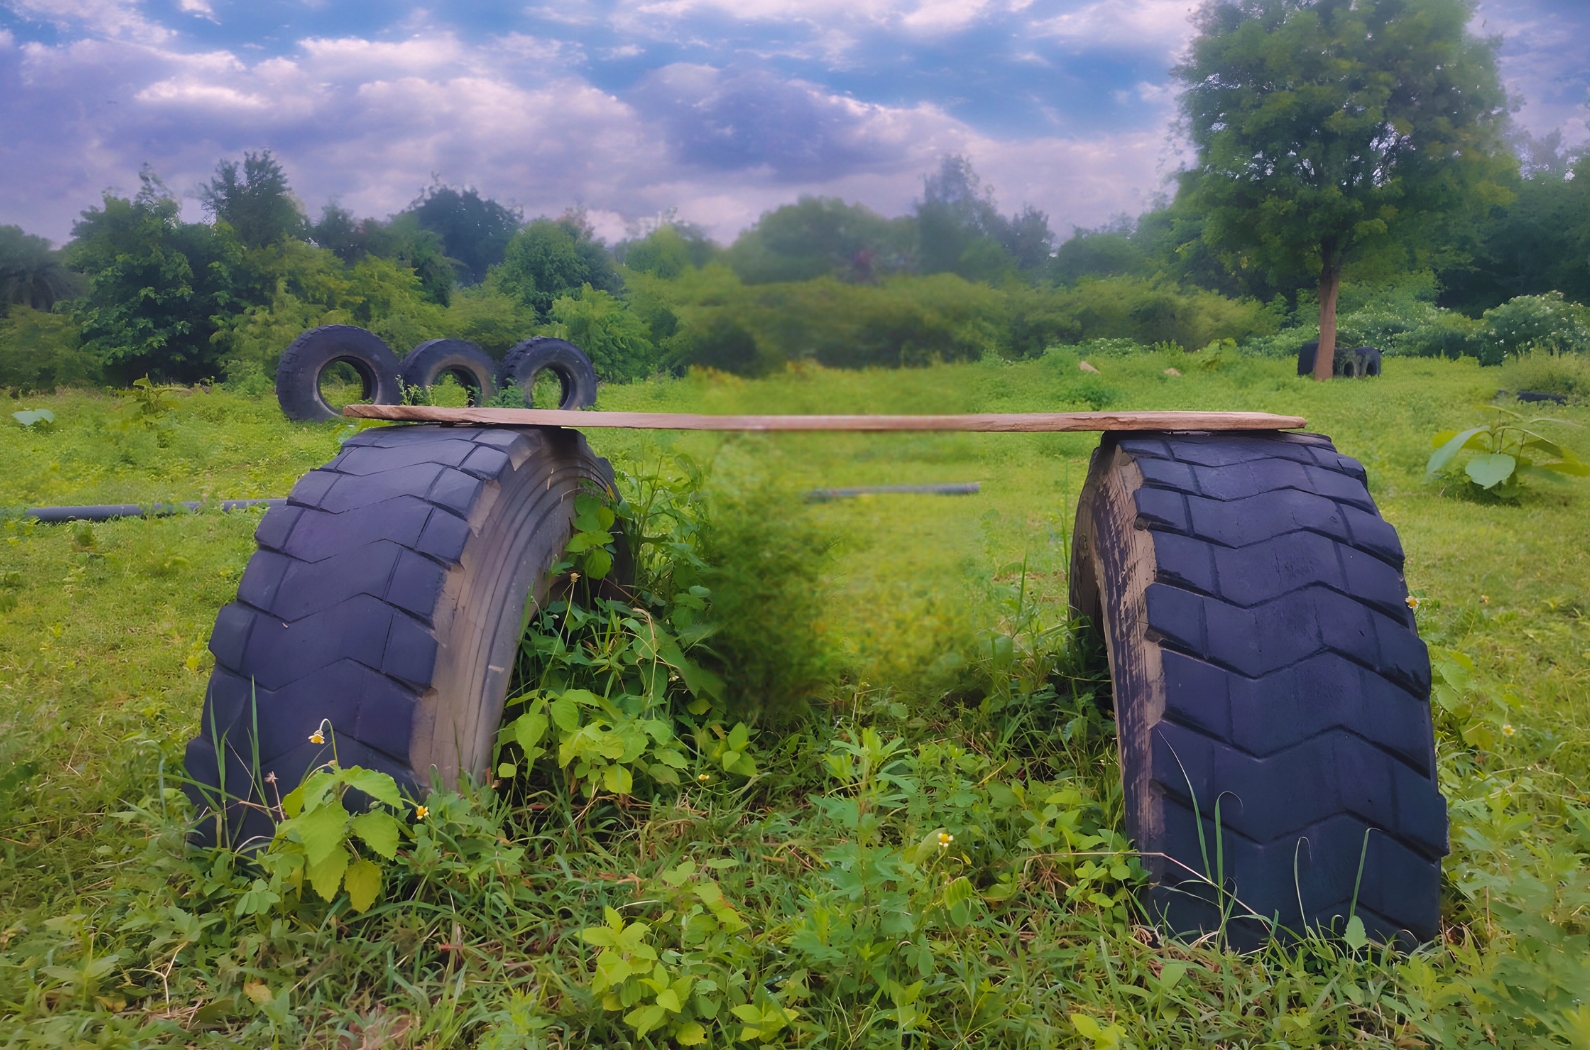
(298, 373)
(386, 598)
(474, 369)
(1266, 667)
(558, 356)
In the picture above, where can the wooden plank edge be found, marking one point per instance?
(1016, 422)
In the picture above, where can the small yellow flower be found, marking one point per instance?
(1508, 730)
(421, 812)
(1413, 603)
(945, 838)
(1485, 599)
(703, 778)
(316, 737)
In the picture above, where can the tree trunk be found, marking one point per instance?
(1330, 283)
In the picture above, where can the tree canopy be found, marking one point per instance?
(1328, 130)
(254, 199)
(474, 230)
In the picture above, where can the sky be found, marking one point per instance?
(710, 110)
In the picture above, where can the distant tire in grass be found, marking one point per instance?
(1271, 691)
(1362, 362)
(474, 369)
(299, 372)
(560, 357)
(1356, 363)
(386, 598)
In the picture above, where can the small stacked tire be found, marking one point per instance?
(385, 602)
(472, 367)
(564, 360)
(307, 358)
(1271, 692)
(1357, 363)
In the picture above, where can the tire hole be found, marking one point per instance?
(342, 382)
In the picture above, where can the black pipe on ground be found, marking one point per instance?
(823, 495)
(106, 511)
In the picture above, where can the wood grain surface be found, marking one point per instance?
(988, 422)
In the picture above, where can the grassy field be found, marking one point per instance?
(103, 664)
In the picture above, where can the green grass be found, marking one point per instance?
(102, 671)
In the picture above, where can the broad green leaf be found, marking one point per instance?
(1550, 448)
(669, 1001)
(364, 884)
(1491, 469)
(1086, 1026)
(529, 728)
(748, 1014)
(598, 563)
(565, 714)
(378, 785)
(618, 780)
(1443, 455)
(1572, 467)
(644, 1018)
(690, 1034)
(1170, 974)
(379, 830)
(326, 876)
(322, 832)
(959, 891)
(1355, 936)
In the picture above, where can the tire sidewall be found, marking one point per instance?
(306, 359)
(558, 356)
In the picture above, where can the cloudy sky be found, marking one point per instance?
(720, 109)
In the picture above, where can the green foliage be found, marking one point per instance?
(819, 237)
(1567, 375)
(1536, 322)
(256, 202)
(616, 341)
(474, 230)
(319, 841)
(668, 251)
(553, 258)
(42, 351)
(155, 285)
(490, 318)
(31, 272)
(1507, 453)
(1332, 133)
(116, 934)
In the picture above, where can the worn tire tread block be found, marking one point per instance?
(351, 608)
(1265, 661)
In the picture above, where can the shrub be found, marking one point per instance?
(1535, 322)
(42, 351)
(612, 337)
(1565, 374)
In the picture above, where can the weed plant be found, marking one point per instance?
(930, 855)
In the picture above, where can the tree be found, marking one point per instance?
(474, 230)
(820, 236)
(156, 285)
(31, 272)
(551, 258)
(960, 230)
(1332, 130)
(257, 203)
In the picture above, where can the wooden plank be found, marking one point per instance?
(988, 422)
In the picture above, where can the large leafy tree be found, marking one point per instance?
(1332, 131)
(474, 230)
(156, 285)
(552, 258)
(254, 199)
(960, 230)
(31, 272)
(818, 236)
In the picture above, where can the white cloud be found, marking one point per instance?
(1131, 25)
(119, 19)
(200, 8)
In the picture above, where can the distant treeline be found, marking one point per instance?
(138, 292)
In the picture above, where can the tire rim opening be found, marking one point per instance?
(345, 381)
(549, 388)
(455, 388)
